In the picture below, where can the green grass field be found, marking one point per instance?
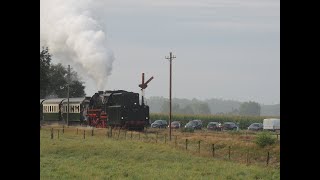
(99, 157)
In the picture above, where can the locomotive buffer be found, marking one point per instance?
(143, 86)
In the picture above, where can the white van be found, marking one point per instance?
(272, 124)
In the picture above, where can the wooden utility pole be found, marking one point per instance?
(68, 94)
(170, 88)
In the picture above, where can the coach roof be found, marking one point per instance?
(53, 101)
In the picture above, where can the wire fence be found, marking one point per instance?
(245, 152)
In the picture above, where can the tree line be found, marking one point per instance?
(194, 106)
(54, 79)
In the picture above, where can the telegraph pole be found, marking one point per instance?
(68, 94)
(170, 60)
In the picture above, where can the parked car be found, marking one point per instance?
(230, 126)
(159, 124)
(214, 126)
(272, 124)
(256, 127)
(194, 124)
(175, 125)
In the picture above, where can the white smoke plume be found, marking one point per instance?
(75, 37)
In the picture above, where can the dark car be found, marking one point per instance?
(194, 124)
(159, 124)
(256, 127)
(175, 125)
(229, 126)
(214, 126)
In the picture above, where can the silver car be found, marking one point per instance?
(256, 127)
(159, 124)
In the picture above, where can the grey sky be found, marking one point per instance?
(226, 49)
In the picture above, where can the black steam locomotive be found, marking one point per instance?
(117, 109)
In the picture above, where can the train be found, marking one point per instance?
(54, 110)
(117, 108)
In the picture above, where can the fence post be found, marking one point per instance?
(157, 137)
(92, 132)
(139, 135)
(248, 157)
(165, 138)
(268, 158)
(131, 135)
(229, 152)
(212, 150)
(51, 133)
(77, 130)
(175, 141)
(84, 134)
(63, 129)
(119, 133)
(199, 147)
(58, 133)
(125, 134)
(186, 144)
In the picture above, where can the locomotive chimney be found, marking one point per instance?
(100, 92)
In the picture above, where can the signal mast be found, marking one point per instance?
(143, 86)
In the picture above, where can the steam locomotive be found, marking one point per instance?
(117, 108)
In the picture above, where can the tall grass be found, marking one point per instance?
(99, 157)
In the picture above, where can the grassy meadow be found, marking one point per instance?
(142, 156)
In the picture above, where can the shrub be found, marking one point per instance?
(265, 138)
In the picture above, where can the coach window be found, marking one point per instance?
(72, 108)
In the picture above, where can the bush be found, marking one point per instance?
(265, 138)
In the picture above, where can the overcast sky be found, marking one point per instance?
(227, 49)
